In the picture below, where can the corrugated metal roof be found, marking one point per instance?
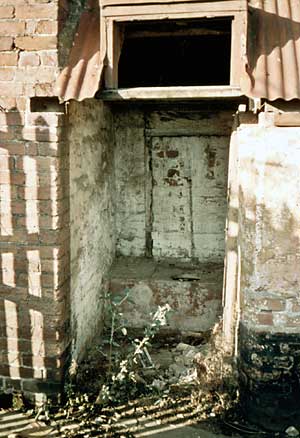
(80, 79)
(273, 54)
(128, 2)
(274, 49)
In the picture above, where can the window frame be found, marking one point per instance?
(114, 16)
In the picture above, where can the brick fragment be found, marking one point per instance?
(265, 318)
(293, 322)
(274, 304)
(296, 307)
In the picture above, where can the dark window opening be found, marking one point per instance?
(46, 105)
(181, 53)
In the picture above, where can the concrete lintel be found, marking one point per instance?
(170, 93)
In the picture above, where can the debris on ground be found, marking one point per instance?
(134, 386)
(292, 432)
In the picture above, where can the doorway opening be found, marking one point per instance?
(171, 166)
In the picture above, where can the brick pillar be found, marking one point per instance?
(34, 204)
(269, 224)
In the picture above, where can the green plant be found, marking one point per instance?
(123, 372)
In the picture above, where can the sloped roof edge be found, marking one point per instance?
(80, 79)
(273, 50)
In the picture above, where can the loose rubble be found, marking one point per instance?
(292, 431)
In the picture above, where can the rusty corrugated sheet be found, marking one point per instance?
(274, 49)
(145, 2)
(80, 79)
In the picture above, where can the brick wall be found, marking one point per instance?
(34, 230)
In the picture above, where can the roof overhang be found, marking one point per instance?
(271, 65)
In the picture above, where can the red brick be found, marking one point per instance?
(7, 164)
(36, 42)
(265, 318)
(7, 74)
(11, 118)
(12, 28)
(15, 372)
(6, 11)
(18, 207)
(31, 149)
(47, 27)
(17, 178)
(21, 236)
(8, 188)
(42, 134)
(34, 193)
(34, 74)
(40, 163)
(6, 43)
(13, 148)
(29, 59)
(5, 136)
(47, 11)
(8, 59)
(275, 305)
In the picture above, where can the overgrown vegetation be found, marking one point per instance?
(122, 389)
(119, 387)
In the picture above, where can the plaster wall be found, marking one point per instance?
(269, 198)
(91, 216)
(130, 169)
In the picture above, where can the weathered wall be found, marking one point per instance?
(269, 220)
(192, 291)
(171, 180)
(130, 173)
(33, 202)
(269, 183)
(91, 216)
